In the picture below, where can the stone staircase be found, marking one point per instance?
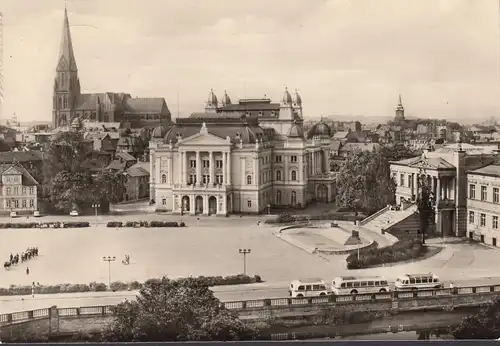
(389, 218)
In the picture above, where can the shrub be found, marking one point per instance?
(14, 290)
(115, 224)
(77, 224)
(402, 250)
(288, 218)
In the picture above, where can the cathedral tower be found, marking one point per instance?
(66, 83)
(400, 112)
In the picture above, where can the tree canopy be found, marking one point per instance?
(68, 183)
(482, 325)
(364, 181)
(175, 310)
(425, 205)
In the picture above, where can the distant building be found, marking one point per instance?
(400, 112)
(108, 107)
(19, 189)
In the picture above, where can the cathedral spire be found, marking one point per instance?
(66, 52)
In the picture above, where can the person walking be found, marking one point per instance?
(27, 270)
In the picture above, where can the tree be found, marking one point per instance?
(425, 204)
(175, 310)
(67, 184)
(483, 325)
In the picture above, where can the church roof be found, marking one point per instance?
(145, 105)
(66, 52)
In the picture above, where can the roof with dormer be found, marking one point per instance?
(15, 168)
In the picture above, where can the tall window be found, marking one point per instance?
(249, 180)
(471, 217)
(218, 163)
(16, 203)
(495, 222)
(294, 198)
(192, 163)
(192, 179)
(8, 191)
(496, 195)
(24, 203)
(401, 180)
(482, 220)
(206, 163)
(163, 178)
(409, 181)
(294, 175)
(206, 179)
(278, 158)
(484, 194)
(32, 190)
(24, 190)
(293, 158)
(249, 203)
(65, 99)
(278, 175)
(32, 203)
(278, 197)
(472, 191)
(219, 179)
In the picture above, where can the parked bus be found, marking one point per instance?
(307, 288)
(417, 281)
(354, 285)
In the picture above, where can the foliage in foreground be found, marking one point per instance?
(175, 310)
(402, 250)
(482, 325)
(116, 224)
(123, 286)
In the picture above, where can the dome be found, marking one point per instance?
(159, 132)
(320, 129)
(225, 99)
(287, 98)
(212, 99)
(296, 131)
(296, 98)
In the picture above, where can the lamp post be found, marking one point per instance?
(109, 259)
(96, 206)
(245, 252)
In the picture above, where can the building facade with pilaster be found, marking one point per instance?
(240, 158)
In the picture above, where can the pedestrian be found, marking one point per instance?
(451, 285)
(27, 271)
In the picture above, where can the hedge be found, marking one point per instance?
(402, 250)
(288, 218)
(57, 224)
(116, 224)
(15, 290)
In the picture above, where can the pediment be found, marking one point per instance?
(12, 171)
(204, 139)
(423, 164)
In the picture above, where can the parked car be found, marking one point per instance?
(13, 214)
(36, 213)
(73, 213)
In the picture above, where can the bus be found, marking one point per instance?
(417, 281)
(354, 285)
(307, 288)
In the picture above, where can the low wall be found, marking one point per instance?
(374, 215)
(55, 321)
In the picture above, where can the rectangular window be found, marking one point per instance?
(278, 158)
(219, 179)
(206, 163)
(24, 190)
(471, 217)
(164, 201)
(16, 203)
(495, 222)
(401, 180)
(472, 191)
(218, 163)
(249, 204)
(192, 163)
(409, 181)
(24, 203)
(32, 190)
(32, 203)
(496, 195)
(293, 158)
(192, 179)
(206, 179)
(16, 191)
(482, 220)
(8, 191)
(484, 194)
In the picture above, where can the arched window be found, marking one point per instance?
(249, 180)
(278, 197)
(278, 175)
(294, 198)
(59, 103)
(294, 175)
(163, 178)
(63, 80)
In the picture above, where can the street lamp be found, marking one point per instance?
(96, 206)
(109, 259)
(245, 252)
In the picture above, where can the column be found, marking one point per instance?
(433, 185)
(438, 191)
(180, 168)
(198, 168)
(286, 171)
(211, 167)
(170, 169)
(313, 163)
(184, 167)
(255, 180)
(192, 209)
(224, 168)
(229, 168)
(301, 175)
(151, 166)
(415, 185)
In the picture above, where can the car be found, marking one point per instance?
(36, 213)
(13, 214)
(73, 213)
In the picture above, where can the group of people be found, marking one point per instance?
(126, 260)
(26, 255)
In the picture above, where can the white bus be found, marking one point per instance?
(417, 281)
(354, 285)
(307, 288)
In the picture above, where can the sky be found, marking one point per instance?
(343, 56)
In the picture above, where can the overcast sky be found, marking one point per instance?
(344, 57)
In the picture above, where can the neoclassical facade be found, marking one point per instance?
(240, 158)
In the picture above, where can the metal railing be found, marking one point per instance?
(271, 303)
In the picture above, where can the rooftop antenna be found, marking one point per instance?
(178, 106)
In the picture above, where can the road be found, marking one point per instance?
(10, 304)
